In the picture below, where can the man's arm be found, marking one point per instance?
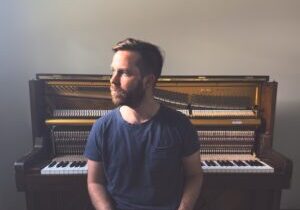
(96, 186)
(193, 181)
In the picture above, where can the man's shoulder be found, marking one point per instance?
(172, 114)
(107, 119)
(173, 118)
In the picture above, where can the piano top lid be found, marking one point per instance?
(163, 78)
(72, 77)
(215, 78)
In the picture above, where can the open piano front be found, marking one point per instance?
(233, 115)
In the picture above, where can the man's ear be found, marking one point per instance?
(150, 80)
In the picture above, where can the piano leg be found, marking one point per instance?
(276, 199)
(30, 200)
(267, 199)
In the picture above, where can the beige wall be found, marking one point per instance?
(199, 37)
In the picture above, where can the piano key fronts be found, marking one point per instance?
(233, 115)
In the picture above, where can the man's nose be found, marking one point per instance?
(114, 78)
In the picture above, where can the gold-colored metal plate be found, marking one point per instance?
(78, 122)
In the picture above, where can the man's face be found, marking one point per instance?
(127, 86)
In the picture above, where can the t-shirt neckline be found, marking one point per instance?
(119, 116)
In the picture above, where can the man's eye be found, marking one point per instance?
(126, 74)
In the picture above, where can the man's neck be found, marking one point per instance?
(144, 112)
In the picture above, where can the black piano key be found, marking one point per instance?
(73, 164)
(212, 163)
(256, 163)
(59, 164)
(246, 163)
(220, 162)
(225, 162)
(207, 162)
(228, 163)
(83, 163)
(239, 163)
(65, 163)
(251, 162)
(233, 163)
(77, 164)
(53, 163)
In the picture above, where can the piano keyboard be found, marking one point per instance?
(208, 166)
(235, 166)
(65, 168)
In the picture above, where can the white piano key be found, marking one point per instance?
(235, 168)
(66, 170)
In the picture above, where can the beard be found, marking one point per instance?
(131, 97)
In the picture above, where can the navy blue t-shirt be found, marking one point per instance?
(143, 162)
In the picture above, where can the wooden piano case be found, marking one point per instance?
(204, 99)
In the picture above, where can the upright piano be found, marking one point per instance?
(233, 115)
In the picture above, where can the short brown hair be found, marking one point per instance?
(151, 56)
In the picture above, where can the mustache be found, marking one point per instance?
(117, 89)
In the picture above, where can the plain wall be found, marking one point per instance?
(231, 37)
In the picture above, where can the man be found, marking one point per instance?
(142, 155)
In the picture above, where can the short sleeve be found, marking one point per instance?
(190, 138)
(93, 150)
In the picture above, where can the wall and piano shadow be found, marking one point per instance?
(286, 141)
